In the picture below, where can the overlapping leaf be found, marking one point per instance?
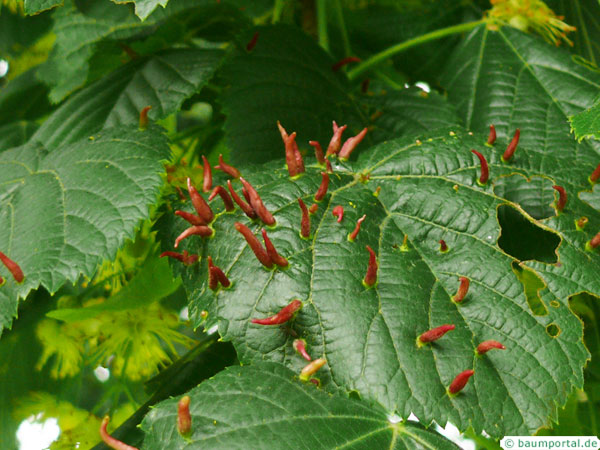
(162, 81)
(285, 77)
(275, 411)
(63, 212)
(81, 28)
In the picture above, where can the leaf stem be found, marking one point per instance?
(337, 7)
(322, 24)
(402, 46)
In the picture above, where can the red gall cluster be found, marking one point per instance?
(293, 157)
(184, 257)
(560, 203)
(437, 333)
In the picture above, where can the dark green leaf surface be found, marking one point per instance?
(265, 407)
(586, 124)
(162, 81)
(286, 77)
(16, 133)
(408, 112)
(519, 81)
(23, 98)
(368, 336)
(64, 212)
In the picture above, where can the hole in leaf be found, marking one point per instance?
(587, 308)
(531, 284)
(554, 304)
(523, 239)
(553, 330)
(535, 196)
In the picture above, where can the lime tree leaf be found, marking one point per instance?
(422, 190)
(285, 77)
(162, 81)
(82, 29)
(152, 282)
(63, 212)
(143, 8)
(265, 406)
(519, 81)
(586, 124)
(37, 6)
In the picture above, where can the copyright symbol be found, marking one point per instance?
(509, 443)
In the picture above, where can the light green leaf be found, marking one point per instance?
(265, 407)
(63, 212)
(152, 282)
(586, 124)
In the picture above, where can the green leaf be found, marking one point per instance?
(586, 124)
(519, 81)
(91, 37)
(428, 192)
(153, 282)
(37, 6)
(143, 8)
(286, 77)
(63, 212)
(264, 406)
(162, 81)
